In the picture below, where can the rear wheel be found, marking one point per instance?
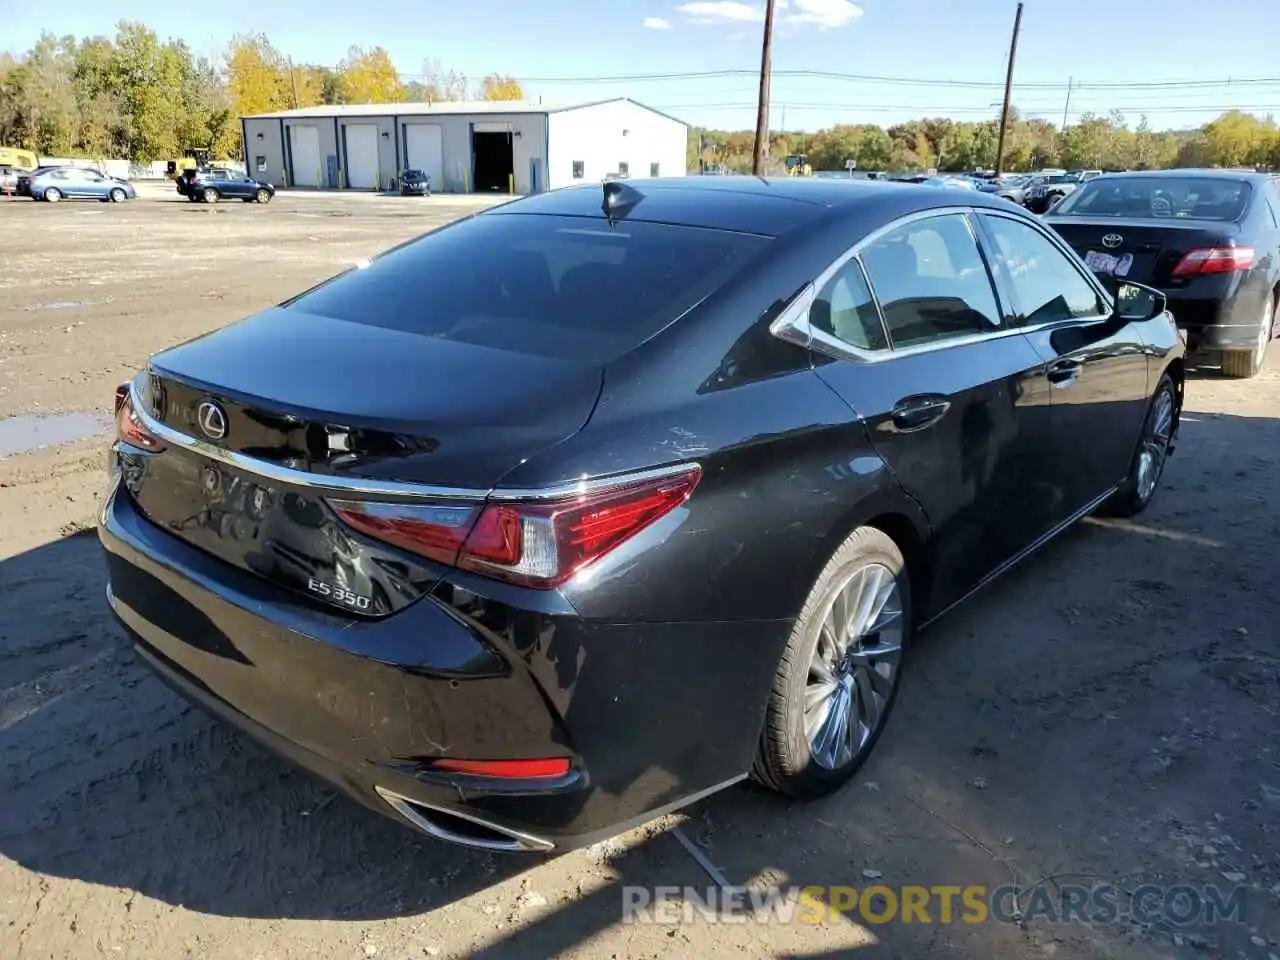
(838, 678)
(1151, 455)
(1243, 364)
(53, 194)
(210, 195)
(263, 196)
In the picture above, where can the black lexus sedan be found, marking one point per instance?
(1208, 239)
(594, 503)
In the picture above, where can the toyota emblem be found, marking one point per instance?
(212, 420)
(1112, 240)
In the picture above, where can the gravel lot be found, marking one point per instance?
(1106, 714)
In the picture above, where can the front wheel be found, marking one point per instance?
(838, 677)
(263, 196)
(1151, 455)
(118, 196)
(1243, 364)
(53, 194)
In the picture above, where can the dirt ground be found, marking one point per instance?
(1107, 714)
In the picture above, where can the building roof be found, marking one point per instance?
(442, 108)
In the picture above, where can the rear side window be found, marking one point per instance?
(845, 309)
(569, 287)
(931, 282)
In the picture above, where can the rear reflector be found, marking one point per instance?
(537, 543)
(129, 428)
(1205, 260)
(546, 769)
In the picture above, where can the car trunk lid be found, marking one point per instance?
(1145, 251)
(263, 420)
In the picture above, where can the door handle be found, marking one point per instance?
(1064, 372)
(916, 413)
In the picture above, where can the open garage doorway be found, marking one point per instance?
(494, 159)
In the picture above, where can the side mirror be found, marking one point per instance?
(1136, 302)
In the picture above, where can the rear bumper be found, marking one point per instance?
(1226, 318)
(652, 716)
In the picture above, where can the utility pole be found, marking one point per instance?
(762, 112)
(1067, 106)
(1008, 91)
(293, 79)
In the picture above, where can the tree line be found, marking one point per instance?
(134, 96)
(1234, 139)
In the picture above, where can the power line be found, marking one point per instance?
(934, 110)
(1075, 85)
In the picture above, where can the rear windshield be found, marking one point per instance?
(569, 287)
(1197, 198)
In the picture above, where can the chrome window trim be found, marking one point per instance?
(388, 489)
(793, 323)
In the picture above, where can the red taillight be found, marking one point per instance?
(533, 543)
(129, 428)
(1206, 260)
(547, 769)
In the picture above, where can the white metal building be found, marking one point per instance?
(480, 147)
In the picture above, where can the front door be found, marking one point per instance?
(954, 401)
(1097, 366)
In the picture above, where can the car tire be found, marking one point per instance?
(1150, 456)
(821, 680)
(53, 194)
(262, 196)
(209, 195)
(1243, 364)
(118, 196)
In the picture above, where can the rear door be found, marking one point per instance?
(1097, 367)
(953, 399)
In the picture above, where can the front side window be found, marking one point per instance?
(845, 309)
(1048, 286)
(931, 281)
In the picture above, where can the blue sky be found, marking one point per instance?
(1095, 42)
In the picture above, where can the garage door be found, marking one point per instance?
(362, 156)
(304, 147)
(424, 150)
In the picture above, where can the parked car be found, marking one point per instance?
(74, 183)
(1045, 191)
(415, 183)
(1012, 188)
(218, 183)
(1208, 239)
(593, 503)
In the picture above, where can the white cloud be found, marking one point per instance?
(820, 13)
(824, 13)
(721, 11)
(656, 23)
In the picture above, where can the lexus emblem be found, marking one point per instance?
(212, 420)
(1112, 240)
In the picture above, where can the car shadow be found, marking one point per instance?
(1084, 718)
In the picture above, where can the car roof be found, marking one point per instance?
(770, 206)
(1213, 173)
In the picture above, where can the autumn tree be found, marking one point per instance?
(439, 84)
(257, 76)
(498, 87)
(368, 76)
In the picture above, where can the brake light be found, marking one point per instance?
(129, 428)
(543, 769)
(533, 543)
(1206, 260)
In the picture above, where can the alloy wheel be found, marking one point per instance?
(855, 665)
(1155, 446)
